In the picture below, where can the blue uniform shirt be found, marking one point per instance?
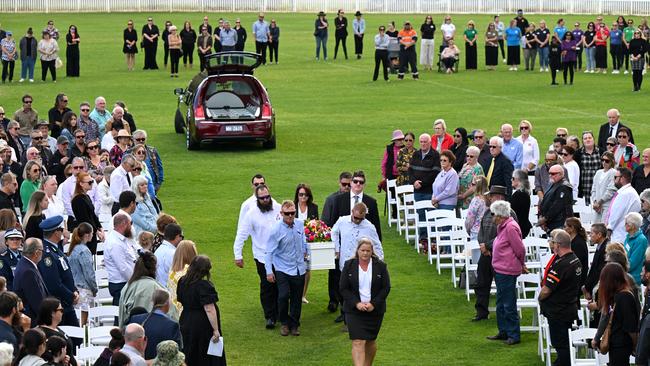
(56, 273)
(286, 248)
(261, 30)
(561, 31)
(514, 150)
(8, 263)
(513, 36)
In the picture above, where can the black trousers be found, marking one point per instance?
(166, 47)
(69, 317)
(626, 53)
(8, 70)
(484, 277)
(616, 50)
(637, 79)
(340, 39)
(502, 48)
(381, 57)
(48, 65)
(579, 59)
(559, 332)
(289, 298)
(273, 51)
(202, 60)
(115, 290)
(260, 47)
(188, 53)
(150, 57)
(268, 294)
(358, 44)
(407, 56)
(553, 74)
(175, 56)
(568, 66)
(333, 279)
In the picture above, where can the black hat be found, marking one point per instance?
(358, 14)
(321, 13)
(498, 190)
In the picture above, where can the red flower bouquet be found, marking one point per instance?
(317, 231)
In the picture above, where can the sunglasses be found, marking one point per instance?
(27, 102)
(303, 194)
(138, 169)
(94, 147)
(80, 137)
(358, 181)
(85, 110)
(523, 128)
(358, 218)
(561, 135)
(605, 161)
(257, 184)
(564, 154)
(289, 213)
(408, 140)
(493, 147)
(478, 137)
(264, 198)
(140, 140)
(38, 138)
(77, 167)
(345, 184)
(622, 136)
(610, 144)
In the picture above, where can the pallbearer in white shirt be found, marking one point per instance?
(349, 229)
(257, 224)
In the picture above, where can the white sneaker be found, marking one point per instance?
(515, 68)
(605, 72)
(504, 60)
(626, 72)
(541, 69)
(546, 69)
(21, 80)
(592, 71)
(643, 73)
(31, 80)
(615, 72)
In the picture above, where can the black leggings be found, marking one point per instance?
(166, 47)
(381, 57)
(637, 79)
(273, 51)
(568, 66)
(336, 46)
(8, 70)
(48, 65)
(502, 47)
(188, 53)
(175, 56)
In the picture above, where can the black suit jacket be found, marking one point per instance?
(502, 172)
(157, 328)
(312, 211)
(603, 134)
(597, 265)
(342, 207)
(349, 285)
(29, 286)
(557, 205)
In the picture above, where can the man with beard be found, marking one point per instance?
(120, 254)
(257, 224)
(8, 314)
(624, 201)
(257, 180)
(8, 188)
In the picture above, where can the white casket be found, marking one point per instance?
(322, 255)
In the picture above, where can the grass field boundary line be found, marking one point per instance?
(540, 105)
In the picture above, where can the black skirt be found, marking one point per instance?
(491, 56)
(514, 57)
(364, 325)
(601, 57)
(470, 56)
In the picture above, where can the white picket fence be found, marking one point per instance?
(613, 7)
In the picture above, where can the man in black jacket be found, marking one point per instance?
(499, 170)
(557, 203)
(610, 129)
(423, 170)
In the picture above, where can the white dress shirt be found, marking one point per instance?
(55, 207)
(346, 235)
(105, 200)
(573, 175)
(119, 183)
(165, 257)
(531, 152)
(365, 283)
(66, 191)
(120, 254)
(245, 206)
(257, 225)
(108, 141)
(626, 200)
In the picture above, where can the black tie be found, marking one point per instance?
(611, 130)
(128, 179)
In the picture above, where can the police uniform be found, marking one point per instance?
(8, 263)
(56, 273)
(561, 306)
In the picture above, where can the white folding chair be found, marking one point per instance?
(579, 337)
(524, 301)
(431, 218)
(99, 336)
(533, 252)
(103, 297)
(470, 266)
(444, 226)
(88, 354)
(100, 315)
(421, 205)
(410, 215)
(459, 255)
(101, 276)
(74, 332)
(391, 200)
(400, 192)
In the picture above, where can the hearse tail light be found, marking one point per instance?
(199, 112)
(267, 111)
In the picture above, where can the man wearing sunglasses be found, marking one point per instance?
(557, 204)
(257, 224)
(27, 118)
(610, 129)
(286, 252)
(258, 179)
(86, 123)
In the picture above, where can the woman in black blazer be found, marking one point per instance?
(520, 200)
(306, 210)
(364, 286)
(84, 210)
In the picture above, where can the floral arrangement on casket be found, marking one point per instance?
(319, 238)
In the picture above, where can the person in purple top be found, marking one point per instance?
(569, 46)
(577, 35)
(444, 191)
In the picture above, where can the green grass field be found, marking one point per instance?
(330, 117)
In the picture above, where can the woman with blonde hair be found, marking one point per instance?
(530, 157)
(34, 215)
(31, 181)
(185, 252)
(145, 214)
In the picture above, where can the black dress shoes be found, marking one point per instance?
(331, 307)
(338, 319)
(479, 318)
(511, 341)
(498, 337)
(270, 323)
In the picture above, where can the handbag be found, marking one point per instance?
(58, 63)
(604, 340)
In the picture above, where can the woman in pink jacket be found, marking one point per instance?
(508, 253)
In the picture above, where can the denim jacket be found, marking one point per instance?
(81, 264)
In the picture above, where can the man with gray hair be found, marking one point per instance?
(512, 148)
(610, 129)
(120, 180)
(135, 342)
(558, 297)
(28, 283)
(158, 326)
(66, 189)
(424, 167)
(117, 121)
(100, 114)
(557, 204)
(499, 171)
(228, 37)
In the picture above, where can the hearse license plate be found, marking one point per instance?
(235, 128)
